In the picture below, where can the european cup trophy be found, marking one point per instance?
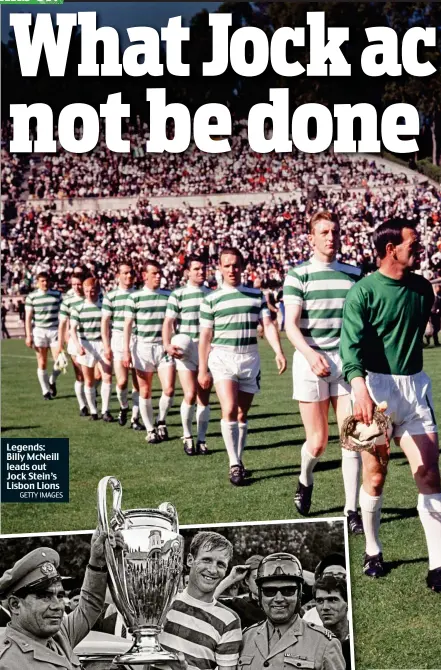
(144, 577)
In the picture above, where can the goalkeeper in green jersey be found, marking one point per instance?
(384, 318)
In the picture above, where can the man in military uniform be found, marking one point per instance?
(39, 637)
(284, 640)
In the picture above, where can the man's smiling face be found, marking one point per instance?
(207, 569)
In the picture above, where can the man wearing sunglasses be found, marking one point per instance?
(284, 640)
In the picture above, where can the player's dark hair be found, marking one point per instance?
(390, 232)
(192, 259)
(129, 264)
(77, 275)
(233, 251)
(330, 559)
(210, 541)
(331, 583)
(153, 263)
(43, 275)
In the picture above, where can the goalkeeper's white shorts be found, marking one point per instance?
(409, 401)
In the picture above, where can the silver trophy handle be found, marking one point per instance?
(170, 509)
(117, 522)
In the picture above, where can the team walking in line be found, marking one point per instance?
(358, 342)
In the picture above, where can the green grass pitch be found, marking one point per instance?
(396, 619)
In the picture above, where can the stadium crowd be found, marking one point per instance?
(102, 173)
(272, 236)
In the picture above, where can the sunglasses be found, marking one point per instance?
(285, 591)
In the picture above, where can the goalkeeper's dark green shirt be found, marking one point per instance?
(383, 325)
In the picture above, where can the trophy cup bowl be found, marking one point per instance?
(145, 575)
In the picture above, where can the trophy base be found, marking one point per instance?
(145, 658)
(146, 650)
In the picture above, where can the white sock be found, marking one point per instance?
(165, 402)
(351, 468)
(308, 464)
(187, 416)
(429, 510)
(230, 434)
(135, 404)
(370, 513)
(202, 419)
(43, 378)
(146, 410)
(243, 432)
(121, 394)
(79, 392)
(54, 375)
(90, 393)
(106, 392)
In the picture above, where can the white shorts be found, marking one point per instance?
(71, 348)
(45, 337)
(149, 357)
(307, 387)
(241, 368)
(116, 345)
(93, 355)
(409, 401)
(191, 362)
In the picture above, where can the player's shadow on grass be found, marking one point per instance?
(394, 455)
(398, 513)
(267, 429)
(393, 565)
(282, 443)
(290, 472)
(6, 428)
(269, 415)
(329, 510)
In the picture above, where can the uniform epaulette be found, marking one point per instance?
(4, 646)
(327, 633)
(254, 625)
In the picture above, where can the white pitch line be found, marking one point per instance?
(31, 358)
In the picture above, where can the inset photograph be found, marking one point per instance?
(251, 596)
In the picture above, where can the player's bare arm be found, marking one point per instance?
(74, 335)
(168, 328)
(62, 333)
(106, 320)
(317, 362)
(237, 575)
(28, 326)
(204, 377)
(127, 333)
(272, 335)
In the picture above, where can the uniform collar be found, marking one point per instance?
(287, 640)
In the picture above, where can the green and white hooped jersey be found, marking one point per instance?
(147, 308)
(233, 313)
(87, 317)
(45, 307)
(114, 303)
(184, 305)
(320, 289)
(70, 301)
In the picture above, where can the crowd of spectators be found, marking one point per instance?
(272, 236)
(103, 173)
